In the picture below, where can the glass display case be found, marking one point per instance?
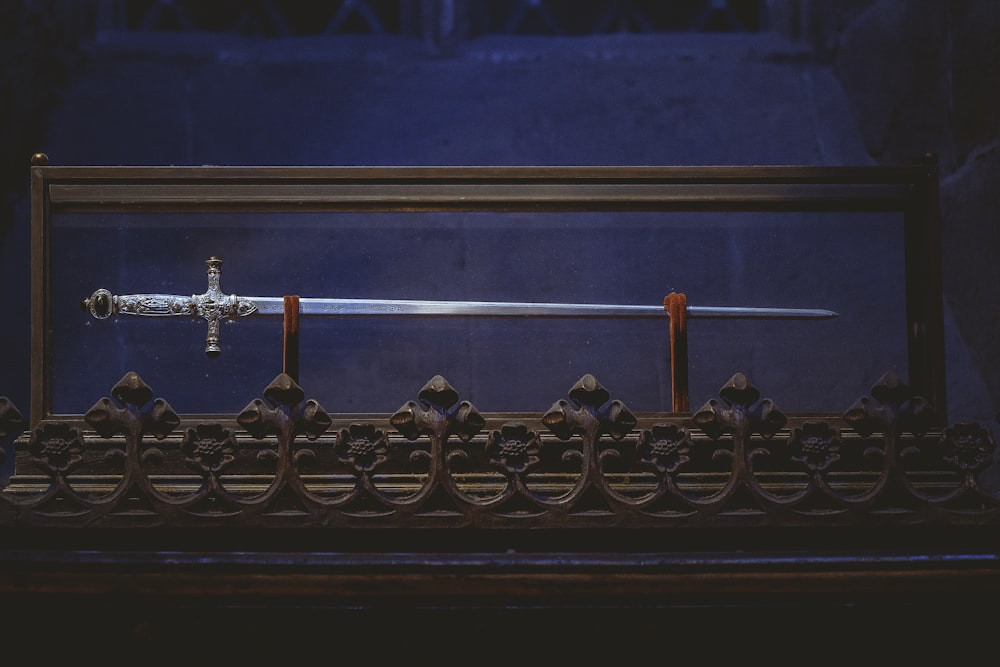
(461, 454)
(856, 242)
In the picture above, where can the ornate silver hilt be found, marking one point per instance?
(214, 305)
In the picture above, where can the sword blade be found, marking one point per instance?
(417, 308)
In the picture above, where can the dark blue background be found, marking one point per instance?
(501, 364)
(212, 96)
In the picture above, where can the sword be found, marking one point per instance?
(215, 306)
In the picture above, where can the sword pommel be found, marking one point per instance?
(100, 304)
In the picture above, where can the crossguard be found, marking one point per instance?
(214, 305)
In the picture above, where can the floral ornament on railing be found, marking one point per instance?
(209, 448)
(968, 446)
(591, 412)
(56, 447)
(514, 448)
(665, 447)
(286, 414)
(284, 410)
(133, 413)
(814, 445)
(892, 408)
(438, 412)
(362, 446)
(742, 412)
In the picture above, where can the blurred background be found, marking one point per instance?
(510, 82)
(526, 82)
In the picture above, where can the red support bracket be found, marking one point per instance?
(676, 305)
(290, 343)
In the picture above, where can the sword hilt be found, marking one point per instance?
(213, 306)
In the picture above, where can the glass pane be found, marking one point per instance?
(851, 263)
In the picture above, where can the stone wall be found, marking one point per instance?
(37, 54)
(922, 76)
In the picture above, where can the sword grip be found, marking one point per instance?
(102, 304)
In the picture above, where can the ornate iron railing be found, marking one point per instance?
(588, 461)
